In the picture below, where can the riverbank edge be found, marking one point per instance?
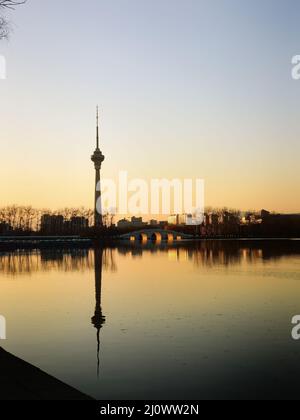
(20, 380)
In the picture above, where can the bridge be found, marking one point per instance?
(155, 235)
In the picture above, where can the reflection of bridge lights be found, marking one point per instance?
(183, 255)
(143, 237)
(170, 238)
(156, 237)
(173, 255)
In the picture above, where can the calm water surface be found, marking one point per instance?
(210, 320)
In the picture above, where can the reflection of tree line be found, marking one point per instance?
(28, 262)
(209, 253)
(206, 253)
(237, 252)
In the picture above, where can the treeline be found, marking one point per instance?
(28, 219)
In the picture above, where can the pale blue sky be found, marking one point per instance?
(187, 88)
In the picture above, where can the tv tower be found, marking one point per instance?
(98, 159)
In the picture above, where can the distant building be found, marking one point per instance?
(67, 227)
(195, 220)
(124, 223)
(78, 224)
(153, 222)
(223, 223)
(52, 224)
(57, 225)
(265, 214)
(266, 217)
(163, 224)
(5, 228)
(281, 225)
(172, 219)
(177, 219)
(281, 219)
(135, 222)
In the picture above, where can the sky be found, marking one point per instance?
(186, 89)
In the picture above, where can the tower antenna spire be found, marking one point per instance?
(97, 118)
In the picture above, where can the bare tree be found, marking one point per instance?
(10, 4)
(4, 25)
(4, 28)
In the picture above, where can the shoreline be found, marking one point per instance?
(20, 380)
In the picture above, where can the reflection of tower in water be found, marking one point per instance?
(98, 320)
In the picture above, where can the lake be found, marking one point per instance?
(207, 320)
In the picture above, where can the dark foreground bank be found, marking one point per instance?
(21, 381)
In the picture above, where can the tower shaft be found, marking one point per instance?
(98, 220)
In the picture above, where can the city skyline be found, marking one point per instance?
(174, 103)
